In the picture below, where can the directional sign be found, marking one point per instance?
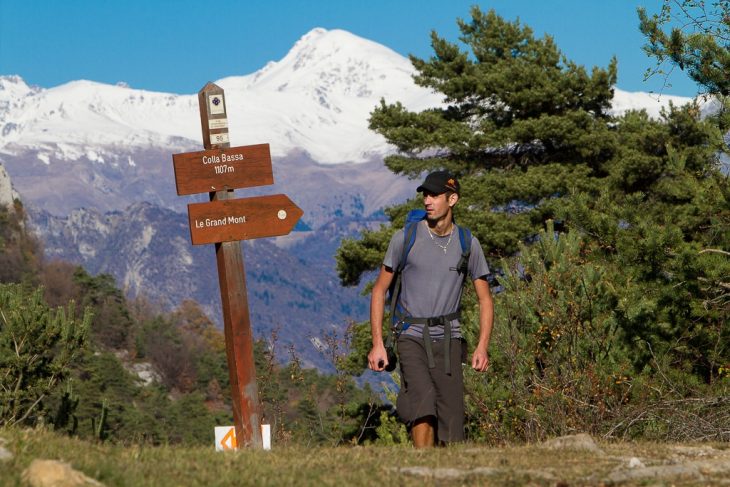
(218, 169)
(242, 219)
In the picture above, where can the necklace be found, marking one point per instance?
(433, 239)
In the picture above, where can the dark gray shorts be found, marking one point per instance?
(430, 392)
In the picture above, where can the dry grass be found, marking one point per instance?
(466, 464)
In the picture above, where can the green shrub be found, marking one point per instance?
(37, 347)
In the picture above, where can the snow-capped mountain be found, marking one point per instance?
(316, 99)
(653, 103)
(92, 145)
(88, 119)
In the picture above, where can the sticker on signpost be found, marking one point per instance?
(219, 138)
(217, 123)
(216, 105)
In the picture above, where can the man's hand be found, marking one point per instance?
(480, 360)
(378, 358)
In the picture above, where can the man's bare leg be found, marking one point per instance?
(422, 432)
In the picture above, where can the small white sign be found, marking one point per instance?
(216, 105)
(217, 123)
(266, 436)
(281, 214)
(225, 438)
(219, 138)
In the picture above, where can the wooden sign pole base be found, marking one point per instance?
(239, 341)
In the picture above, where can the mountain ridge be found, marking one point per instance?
(316, 99)
(291, 291)
(317, 96)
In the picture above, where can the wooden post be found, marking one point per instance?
(225, 221)
(232, 280)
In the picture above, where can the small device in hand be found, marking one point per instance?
(392, 359)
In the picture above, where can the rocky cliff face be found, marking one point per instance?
(292, 283)
(7, 192)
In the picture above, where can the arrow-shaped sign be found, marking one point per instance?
(242, 219)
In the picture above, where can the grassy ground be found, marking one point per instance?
(466, 464)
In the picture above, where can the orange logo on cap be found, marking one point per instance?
(451, 183)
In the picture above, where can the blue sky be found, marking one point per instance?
(177, 46)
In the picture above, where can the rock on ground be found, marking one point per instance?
(702, 471)
(52, 473)
(580, 442)
(5, 454)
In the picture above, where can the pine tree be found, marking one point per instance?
(698, 41)
(520, 124)
(531, 137)
(38, 345)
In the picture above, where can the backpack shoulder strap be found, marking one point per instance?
(409, 234)
(409, 239)
(465, 241)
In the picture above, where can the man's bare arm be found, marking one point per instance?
(480, 358)
(378, 358)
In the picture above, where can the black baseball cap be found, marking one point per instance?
(439, 182)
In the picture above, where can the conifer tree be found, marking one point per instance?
(697, 41)
(520, 124)
(531, 136)
(38, 345)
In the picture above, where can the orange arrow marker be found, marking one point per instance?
(229, 441)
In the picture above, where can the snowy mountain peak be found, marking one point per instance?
(13, 85)
(13, 89)
(326, 62)
(320, 47)
(653, 103)
(316, 99)
(322, 92)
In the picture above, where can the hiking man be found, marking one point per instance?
(431, 397)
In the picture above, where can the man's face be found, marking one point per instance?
(437, 205)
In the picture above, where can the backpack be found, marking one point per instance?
(400, 319)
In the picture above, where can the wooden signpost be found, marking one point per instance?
(225, 221)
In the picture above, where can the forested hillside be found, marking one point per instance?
(78, 357)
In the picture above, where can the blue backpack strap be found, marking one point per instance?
(409, 234)
(409, 238)
(465, 241)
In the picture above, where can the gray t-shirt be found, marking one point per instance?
(430, 284)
